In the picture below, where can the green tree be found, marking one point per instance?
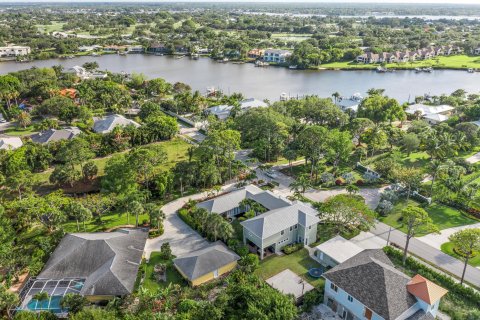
(467, 244)
(415, 219)
(379, 109)
(410, 178)
(74, 303)
(410, 143)
(8, 300)
(157, 216)
(89, 171)
(300, 185)
(24, 119)
(77, 211)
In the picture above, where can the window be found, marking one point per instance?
(296, 226)
(333, 287)
(310, 227)
(291, 228)
(321, 255)
(282, 232)
(350, 298)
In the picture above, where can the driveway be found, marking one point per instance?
(436, 240)
(371, 195)
(181, 237)
(474, 159)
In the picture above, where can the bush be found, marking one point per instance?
(390, 196)
(153, 233)
(291, 248)
(359, 182)
(311, 299)
(384, 207)
(339, 182)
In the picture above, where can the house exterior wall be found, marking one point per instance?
(210, 276)
(355, 307)
(289, 236)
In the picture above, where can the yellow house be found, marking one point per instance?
(206, 264)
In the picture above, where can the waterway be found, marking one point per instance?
(271, 82)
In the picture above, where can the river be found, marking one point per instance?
(271, 82)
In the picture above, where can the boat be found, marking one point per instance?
(159, 54)
(418, 70)
(381, 69)
(471, 70)
(224, 60)
(259, 63)
(195, 56)
(95, 54)
(123, 53)
(429, 70)
(284, 96)
(179, 57)
(293, 67)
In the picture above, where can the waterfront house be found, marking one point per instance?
(89, 48)
(135, 49)
(78, 71)
(222, 112)
(406, 56)
(10, 143)
(431, 114)
(252, 103)
(99, 266)
(276, 55)
(201, 266)
(349, 104)
(108, 123)
(157, 48)
(368, 287)
(14, 51)
(53, 135)
(335, 251)
(256, 53)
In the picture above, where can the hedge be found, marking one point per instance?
(454, 288)
(291, 248)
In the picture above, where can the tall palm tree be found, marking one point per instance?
(336, 96)
(24, 119)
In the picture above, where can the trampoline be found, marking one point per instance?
(315, 272)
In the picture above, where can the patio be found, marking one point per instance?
(289, 282)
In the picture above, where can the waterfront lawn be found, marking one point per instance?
(451, 62)
(447, 248)
(299, 262)
(150, 283)
(443, 217)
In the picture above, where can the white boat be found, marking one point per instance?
(259, 63)
(471, 70)
(293, 67)
(381, 69)
(195, 56)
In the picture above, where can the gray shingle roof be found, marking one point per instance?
(10, 143)
(206, 260)
(371, 278)
(421, 315)
(274, 221)
(55, 135)
(108, 261)
(107, 124)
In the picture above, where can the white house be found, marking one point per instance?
(10, 143)
(349, 104)
(108, 123)
(276, 55)
(14, 51)
(369, 287)
(222, 112)
(80, 72)
(431, 114)
(335, 251)
(252, 103)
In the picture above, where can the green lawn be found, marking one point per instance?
(291, 36)
(444, 217)
(47, 28)
(20, 132)
(299, 262)
(448, 249)
(173, 276)
(451, 62)
(422, 159)
(108, 221)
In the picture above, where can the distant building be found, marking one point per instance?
(222, 112)
(206, 264)
(80, 72)
(14, 51)
(252, 103)
(157, 48)
(406, 56)
(276, 55)
(431, 114)
(135, 49)
(108, 123)
(54, 135)
(10, 143)
(256, 53)
(89, 48)
(369, 287)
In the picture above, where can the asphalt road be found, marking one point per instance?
(429, 253)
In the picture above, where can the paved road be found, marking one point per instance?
(371, 195)
(436, 240)
(428, 253)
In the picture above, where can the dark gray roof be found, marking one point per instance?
(55, 135)
(421, 315)
(108, 261)
(107, 124)
(274, 221)
(206, 260)
(371, 278)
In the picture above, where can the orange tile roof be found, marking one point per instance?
(425, 290)
(68, 92)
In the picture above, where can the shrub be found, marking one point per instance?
(349, 177)
(165, 251)
(339, 182)
(311, 299)
(390, 196)
(384, 207)
(291, 248)
(360, 183)
(155, 232)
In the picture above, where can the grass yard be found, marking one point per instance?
(451, 62)
(448, 249)
(291, 36)
(299, 262)
(173, 276)
(422, 159)
(108, 221)
(444, 217)
(47, 28)
(20, 132)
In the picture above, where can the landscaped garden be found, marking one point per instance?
(299, 262)
(449, 249)
(152, 281)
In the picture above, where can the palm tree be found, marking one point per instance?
(157, 216)
(336, 96)
(137, 208)
(300, 185)
(24, 119)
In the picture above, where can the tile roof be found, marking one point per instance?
(107, 124)
(55, 135)
(425, 290)
(109, 261)
(198, 263)
(274, 221)
(371, 278)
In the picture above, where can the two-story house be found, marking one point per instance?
(368, 287)
(276, 55)
(269, 232)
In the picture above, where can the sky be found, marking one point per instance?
(331, 1)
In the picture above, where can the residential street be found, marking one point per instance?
(436, 240)
(429, 253)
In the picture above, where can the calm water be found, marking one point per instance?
(271, 82)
